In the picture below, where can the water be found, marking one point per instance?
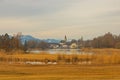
(60, 51)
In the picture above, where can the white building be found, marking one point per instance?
(73, 46)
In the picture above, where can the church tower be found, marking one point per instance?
(65, 39)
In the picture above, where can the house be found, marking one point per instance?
(73, 46)
(54, 45)
(63, 45)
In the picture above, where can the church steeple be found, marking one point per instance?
(65, 38)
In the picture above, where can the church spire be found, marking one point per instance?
(65, 38)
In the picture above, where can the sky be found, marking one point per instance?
(57, 18)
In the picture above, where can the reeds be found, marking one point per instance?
(98, 56)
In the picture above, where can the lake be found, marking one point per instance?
(60, 51)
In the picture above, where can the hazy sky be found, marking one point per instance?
(57, 18)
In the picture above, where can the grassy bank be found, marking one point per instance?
(88, 56)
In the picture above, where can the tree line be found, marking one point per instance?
(12, 43)
(9, 43)
(32, 44)
(106, 41)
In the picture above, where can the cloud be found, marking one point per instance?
(56, 18)
(25, 8)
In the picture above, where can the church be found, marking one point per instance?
(65, 44)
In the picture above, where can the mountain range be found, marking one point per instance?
(29, 37)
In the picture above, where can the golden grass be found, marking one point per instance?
(105, 65)
(45, 57)
(98, 56)
(59, 72)
(105, 56)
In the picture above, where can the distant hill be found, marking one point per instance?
(29, 37)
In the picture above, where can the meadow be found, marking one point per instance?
(103, 64)
(59, 72)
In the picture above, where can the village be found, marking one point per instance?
(65, 44)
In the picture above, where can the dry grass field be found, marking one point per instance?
(88, 56)
(105, 65)
(59, 72)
